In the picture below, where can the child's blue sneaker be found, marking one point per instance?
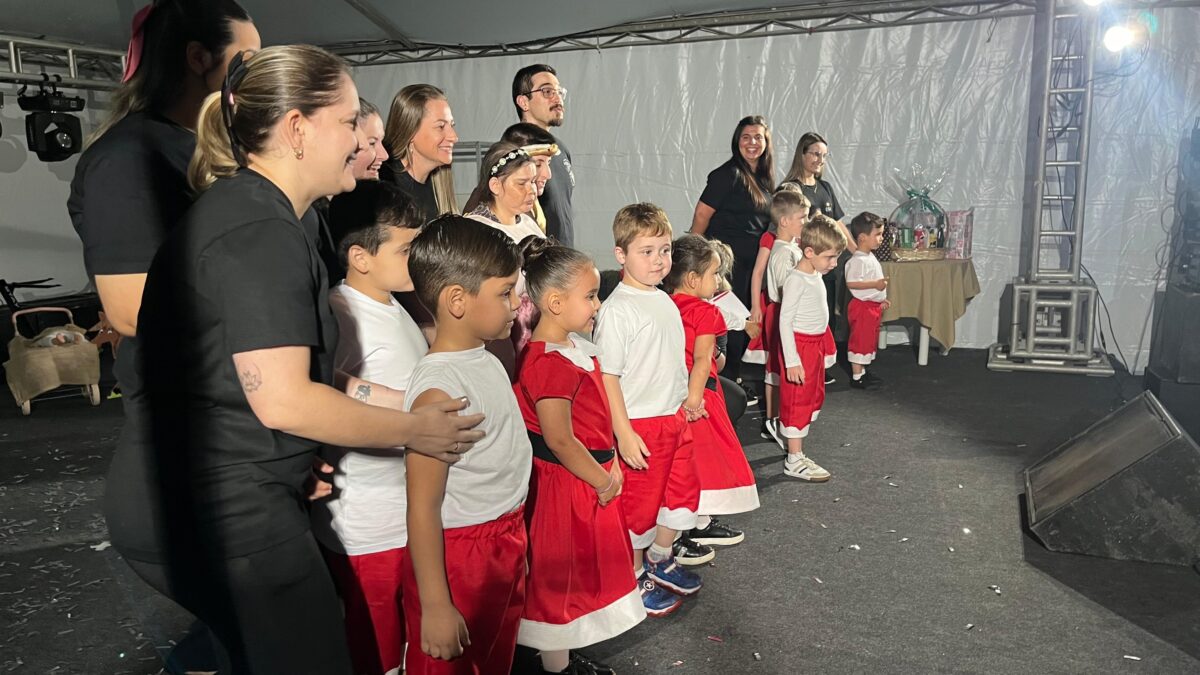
(657, 600)
(670, 575)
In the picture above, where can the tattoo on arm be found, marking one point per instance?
(251, 379)
(363, 393)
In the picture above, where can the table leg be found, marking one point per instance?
(923, 348)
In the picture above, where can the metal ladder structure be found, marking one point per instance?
(1053, 311)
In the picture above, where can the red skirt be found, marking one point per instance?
(774, 366)
(726, 479)
(485, 569)
(864, 330)
(830, 349)
(757, 349)
(800, 404)
(581, 589)
(667, 492)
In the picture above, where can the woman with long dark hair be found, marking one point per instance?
(238, 341)
(130, 189)
(735, 208)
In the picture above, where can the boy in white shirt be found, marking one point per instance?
(864, 278)
(464, 576)
(803, 321)
(641, 339)
(789, 212)
(361, 525)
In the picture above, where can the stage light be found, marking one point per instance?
(1092, 3)
(1118, 37)
(50, 132)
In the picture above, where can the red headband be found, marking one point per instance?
(133, 55)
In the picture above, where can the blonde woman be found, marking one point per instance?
(420, 138)
(238, 342)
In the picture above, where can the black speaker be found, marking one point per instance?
(1175, 346)
(1127, 488)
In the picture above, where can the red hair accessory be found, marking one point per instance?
(133, 55)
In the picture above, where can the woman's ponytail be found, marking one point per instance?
(213, 158)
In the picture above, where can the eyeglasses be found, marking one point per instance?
(818, 155)
(549, 91)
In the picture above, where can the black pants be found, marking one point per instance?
(274, 611)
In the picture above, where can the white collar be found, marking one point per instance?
(579, 353)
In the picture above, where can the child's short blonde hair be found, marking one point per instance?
(786, 201)
(724, 264)
(821, 233)
(639, 220)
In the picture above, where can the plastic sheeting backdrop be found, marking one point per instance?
(649, 123)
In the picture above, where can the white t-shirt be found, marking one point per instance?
(381, 344)
(492, 478)
(524, 227)
(785, 255)
(864, 266)
(804, 310)
(732, 310)
(641, 340)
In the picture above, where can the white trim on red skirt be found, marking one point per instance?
(602, 624)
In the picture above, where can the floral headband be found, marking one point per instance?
(510, 157)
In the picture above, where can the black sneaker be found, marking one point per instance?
(860, 383)
(717, 534)
(765, 429)
(751, 395)
(829, 379)
(872, 379)
(688, 552)
(582, 665)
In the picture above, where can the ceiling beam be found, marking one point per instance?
(393, 32)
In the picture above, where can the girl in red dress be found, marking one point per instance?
(726, 480)
(581, 588)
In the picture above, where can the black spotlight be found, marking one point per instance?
(51, 133)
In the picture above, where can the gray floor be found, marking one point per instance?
(899, 456)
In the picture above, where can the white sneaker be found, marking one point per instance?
(804, 469)
(776, 433)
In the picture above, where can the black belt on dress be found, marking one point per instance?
(543, 452)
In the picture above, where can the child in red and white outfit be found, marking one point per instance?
(864, 278)
(464, 577)
(361, 526)
(726, 480)
(803, 319)
(641, 342)
(581, 589)
(789, 212)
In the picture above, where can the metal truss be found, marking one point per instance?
(836, 15)
(78, 66)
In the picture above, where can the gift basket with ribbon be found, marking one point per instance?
(919, 221)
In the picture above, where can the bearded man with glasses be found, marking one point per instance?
(541, 100)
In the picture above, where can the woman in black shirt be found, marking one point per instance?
(239, 342)
(812, 152)
(735, 208)
(420, 138)
(130, 189)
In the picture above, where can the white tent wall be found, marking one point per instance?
(648, 123)
(1138, 128)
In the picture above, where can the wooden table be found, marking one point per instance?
(935, 293)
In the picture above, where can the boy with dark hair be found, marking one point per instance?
(864, 278)
(464, 577)
(361, 526)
